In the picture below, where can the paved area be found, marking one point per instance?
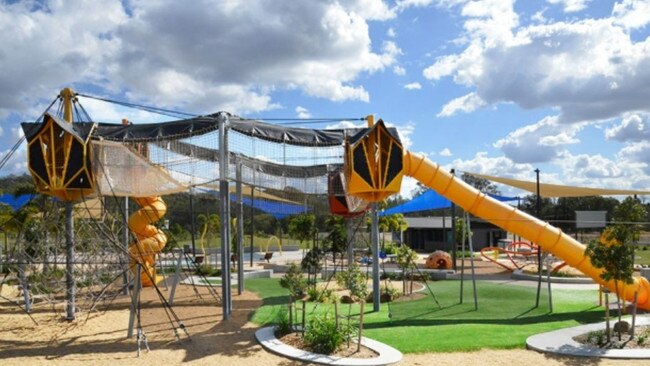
(561, 342)
(387, 355)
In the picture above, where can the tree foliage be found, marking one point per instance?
(481, 184)
(302, 227)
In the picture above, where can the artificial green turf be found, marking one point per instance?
(505, 318)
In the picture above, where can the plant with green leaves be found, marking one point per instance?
(614, 251)
(312, 264)
(405, 261)
(284, 325)
(302, 227)
(294, 280)
(353, 280)
(323, 335)
(337, 237)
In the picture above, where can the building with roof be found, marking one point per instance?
(427, 234)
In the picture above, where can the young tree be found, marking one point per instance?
(302, 227)
(337, 235)
(405, 261)
(614, 251)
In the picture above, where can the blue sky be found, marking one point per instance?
(498, 87)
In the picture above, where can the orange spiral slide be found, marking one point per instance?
(520, 223)
(149, 239)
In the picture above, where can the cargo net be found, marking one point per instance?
(33, 266)
(290, 160)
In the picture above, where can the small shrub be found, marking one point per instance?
(294, 281)
(322, 335)
(386, 294)
(390, 248)
(284, 325)
(354, 280)
(207, 270)
(322, 295)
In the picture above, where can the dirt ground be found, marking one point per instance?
(100, 338)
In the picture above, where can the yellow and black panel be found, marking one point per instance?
(374, 165)
(59, 160)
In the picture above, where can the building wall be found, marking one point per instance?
(426, 240)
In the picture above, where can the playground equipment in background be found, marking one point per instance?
(340, 202)
(268, 244)
(438, 260)
(517, 255)
(375, 163)
(149, 239)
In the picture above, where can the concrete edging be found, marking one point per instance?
(561, 342)
(387, 354)
(520, 275)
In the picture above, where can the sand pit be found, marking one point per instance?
(99, 339)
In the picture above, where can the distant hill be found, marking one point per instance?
(9, 183)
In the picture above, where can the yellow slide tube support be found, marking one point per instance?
(512, 220)
(149, 239)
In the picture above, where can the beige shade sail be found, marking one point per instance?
(556, 190)
(91, 208)
(247, 190)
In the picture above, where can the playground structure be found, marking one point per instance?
(84, 158)
(438, 260)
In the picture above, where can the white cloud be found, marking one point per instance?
(391, 32)
(1, 131)
(632, 14)
(399, 70)
(500, 166)
(582, 167)
(538, 17)
(633, 127)
(413, 86)
(466, 103)
(170, 54)
(445, 152)
(539, 142)
(404, 4)
(302, 112)
(590, 69)
(571, 6)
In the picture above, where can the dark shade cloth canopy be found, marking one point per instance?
(205, 124)
(430, 200)
(16, 202)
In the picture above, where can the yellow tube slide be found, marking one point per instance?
(149, 239)
(512, 220)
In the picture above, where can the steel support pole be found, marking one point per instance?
(69, 262)
(374, 242)
(252, 224)
(240, 233)
(454, 245)
(224, 195)
(538, 210)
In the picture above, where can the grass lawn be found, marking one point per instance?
(506, 315)
(642, 257)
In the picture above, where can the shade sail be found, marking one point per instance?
(16, 202)
(430, 200)
(279, 210)
(268, 203)
(556, 190)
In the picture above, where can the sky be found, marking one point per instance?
(498, 87)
